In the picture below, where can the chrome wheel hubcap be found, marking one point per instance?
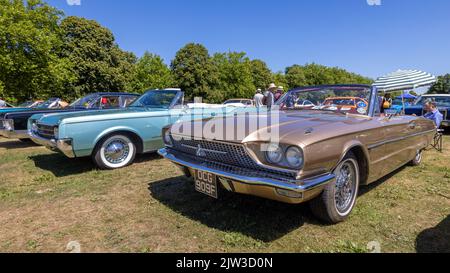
(116, 151)
(345, 186)
(418, 157)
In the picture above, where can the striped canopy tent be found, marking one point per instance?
(404, 80)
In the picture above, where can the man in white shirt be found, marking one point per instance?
(259, 99)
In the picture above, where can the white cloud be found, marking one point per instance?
(73, 2)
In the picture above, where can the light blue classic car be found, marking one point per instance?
(113, 137)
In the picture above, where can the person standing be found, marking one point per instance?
(270, 96)
(259, 99)
(279, 93)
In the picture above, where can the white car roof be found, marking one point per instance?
(436, 95)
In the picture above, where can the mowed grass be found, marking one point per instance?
(47, 201)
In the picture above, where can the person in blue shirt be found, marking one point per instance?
(432, 113)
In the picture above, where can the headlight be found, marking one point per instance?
(274, 153)
(56, 132)
(167, 138)
(34, 127)
(294, 157)
(8, 124)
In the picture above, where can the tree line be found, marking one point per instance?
(45, 54)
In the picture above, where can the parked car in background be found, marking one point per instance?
(322, 155)
(14, 124)
(53, 103)
(113, 138)
(31, 104)
(443, 104)
(239, 102)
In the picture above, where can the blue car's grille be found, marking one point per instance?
(46, 131)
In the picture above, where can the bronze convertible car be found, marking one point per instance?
(318, 155)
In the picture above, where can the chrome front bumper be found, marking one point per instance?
(19, 134)
(289, 192)
(61, 145)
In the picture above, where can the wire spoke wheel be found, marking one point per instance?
(346, 184)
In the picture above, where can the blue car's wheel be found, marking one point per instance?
(115, 151)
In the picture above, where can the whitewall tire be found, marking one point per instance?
(115, 151)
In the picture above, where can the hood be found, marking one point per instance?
(95, 115)
(290, 127)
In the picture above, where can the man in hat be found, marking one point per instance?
(279, 93)
(259, 98)
(270, 96)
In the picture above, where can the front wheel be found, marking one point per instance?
(338, 199)
(115, 151)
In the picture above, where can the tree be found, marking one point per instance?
(235, 77)
(193, 70)
(100, 64)
(442, 86)
(280, 80)
(30, 40)
(315, 74)
(261, 74)
(295, 76)
(150, 72)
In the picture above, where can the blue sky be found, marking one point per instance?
(370, 40)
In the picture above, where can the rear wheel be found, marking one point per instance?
(338, 199)
(115, 151)
(418, 159)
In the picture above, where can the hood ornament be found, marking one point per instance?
(200, 151)
(309, 131)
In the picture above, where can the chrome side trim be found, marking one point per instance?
(384, 142)
(297, 186)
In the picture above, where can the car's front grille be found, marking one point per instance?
(45, 131)
(225, 155)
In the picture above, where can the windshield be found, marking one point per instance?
(48, 103)
(156, 99)
(440, 101)
(348, 99)
(85, 101)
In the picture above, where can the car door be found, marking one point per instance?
(399, 141)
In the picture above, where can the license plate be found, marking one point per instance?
(206, 183)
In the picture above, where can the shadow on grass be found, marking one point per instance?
(366, 189)
(435, 240)
(62, 166)
(261, 219)
(17, 144)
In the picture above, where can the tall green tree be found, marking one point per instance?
(261, 74)
(442, 86)
(30, 39)
(150, 72)
(100, 64)
(235, 77)
(193, 70)
(280, 80)
(315, 74)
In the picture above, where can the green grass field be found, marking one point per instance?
(47, 201)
